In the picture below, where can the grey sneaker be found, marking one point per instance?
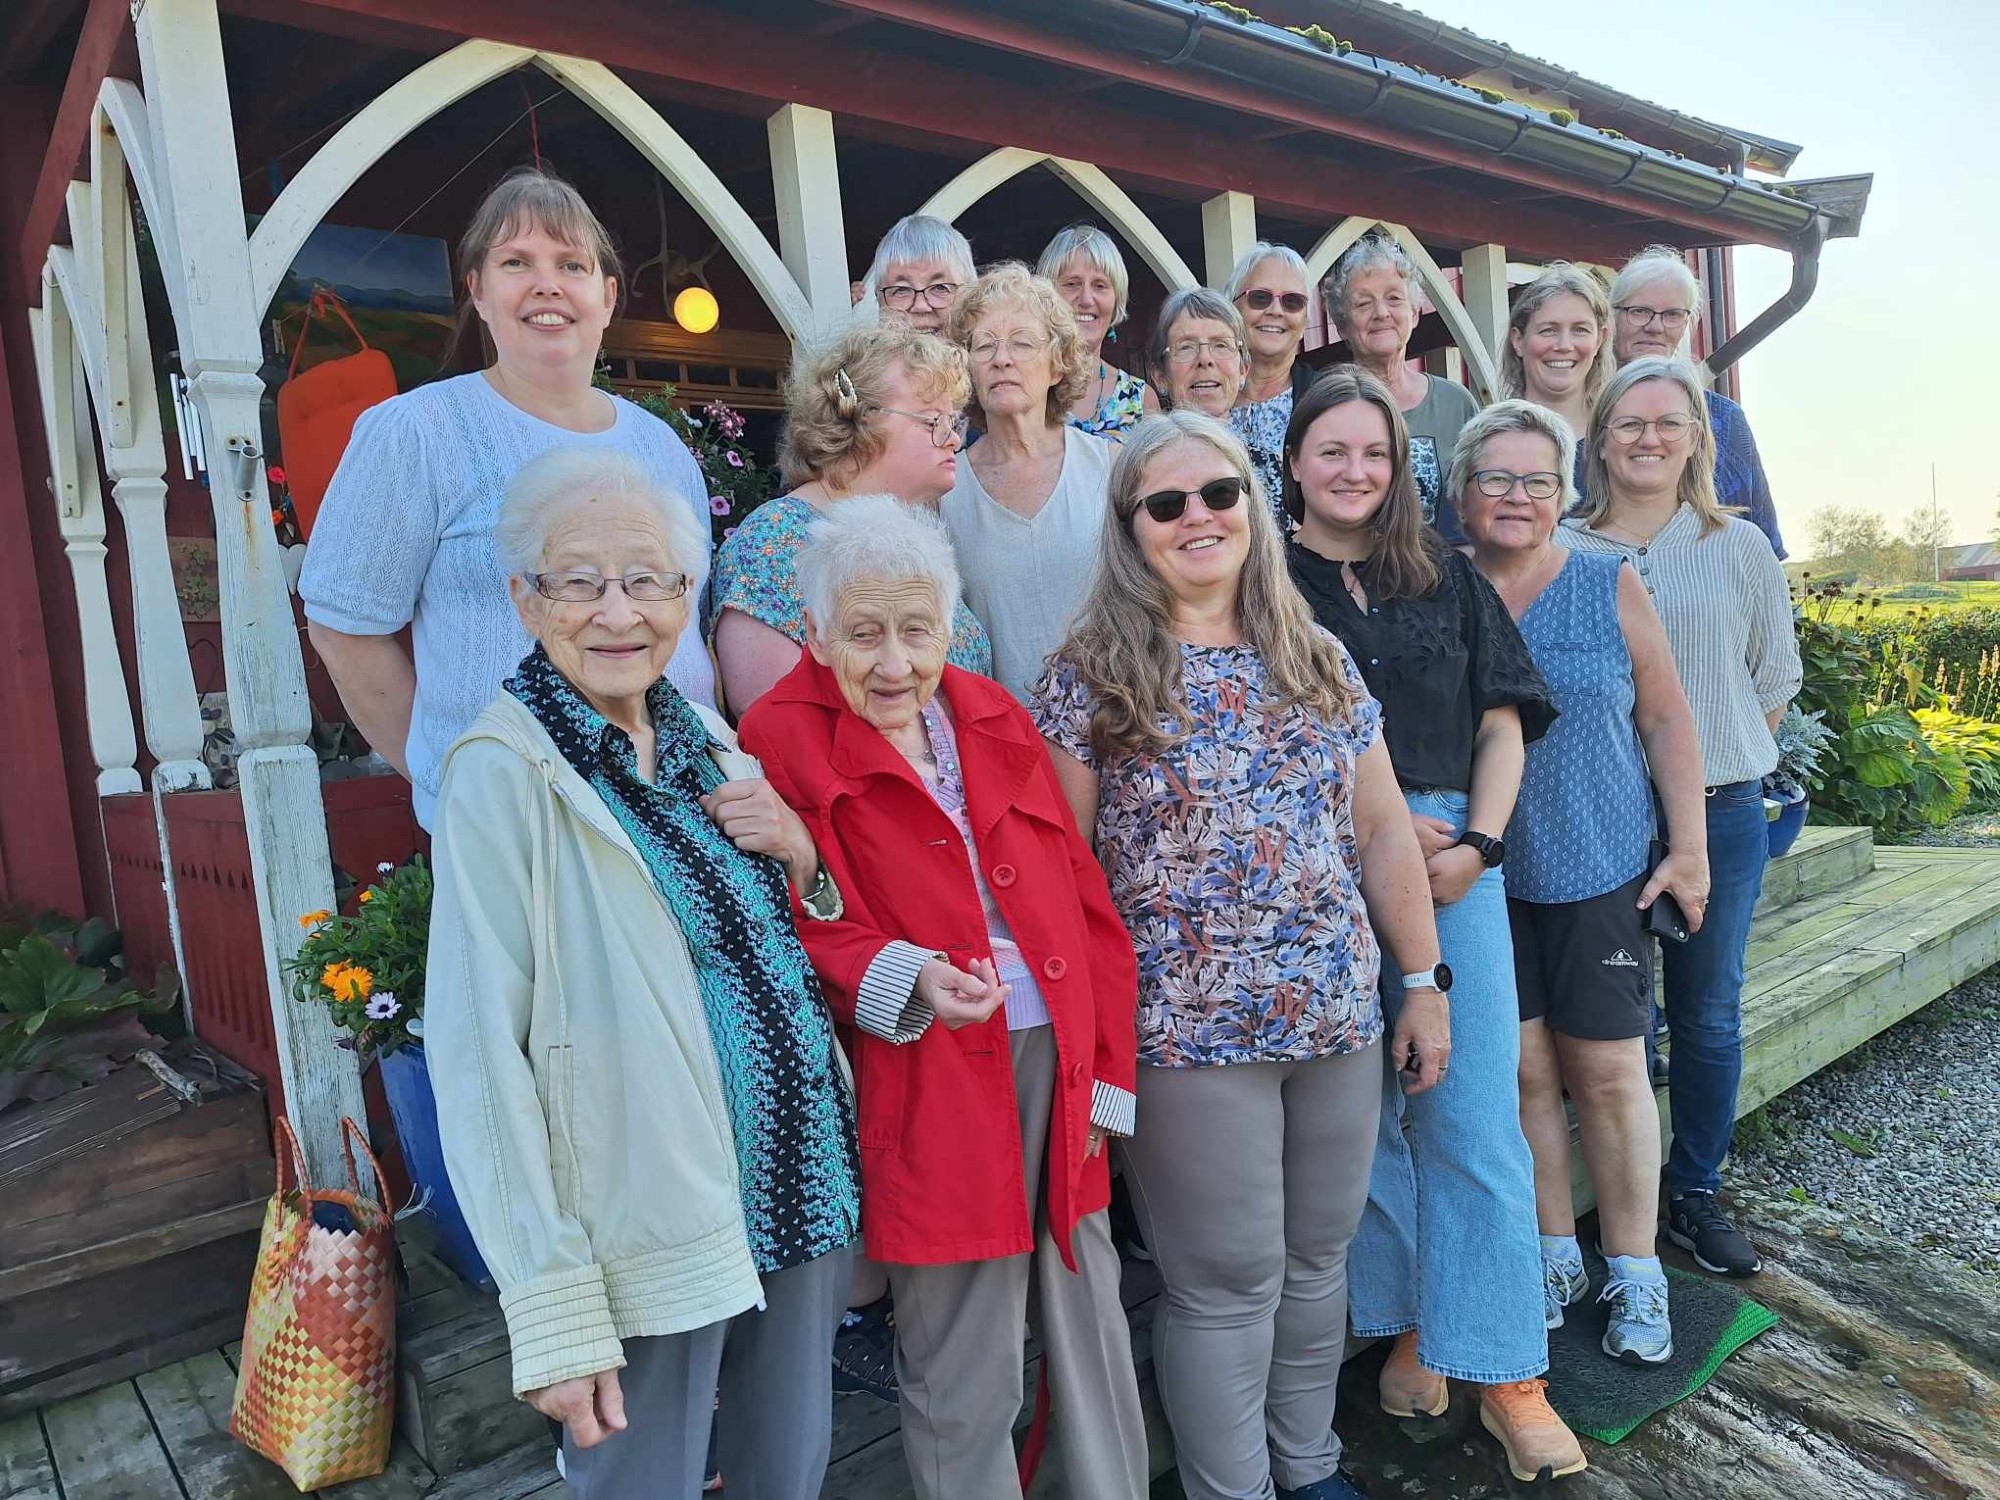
(1564, 1284)
(1639, 1332)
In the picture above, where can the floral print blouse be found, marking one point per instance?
(1232, 859)
(1122, 407)
(1261, 425)
(756, 571)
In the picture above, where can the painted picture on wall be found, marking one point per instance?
(396, 288)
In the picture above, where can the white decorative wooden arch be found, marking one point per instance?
(1090, 182)
(1464, 330)
(444, 80)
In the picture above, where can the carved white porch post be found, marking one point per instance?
(1228, 229)
(1483, 268)
(812, 238)
(187, 97)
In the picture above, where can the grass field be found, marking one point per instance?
(1908, 598)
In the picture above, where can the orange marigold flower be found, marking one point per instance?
(368, 895)
(330, 975)
(312, 919)
(353, 983)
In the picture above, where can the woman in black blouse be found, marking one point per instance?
(1460, 1284)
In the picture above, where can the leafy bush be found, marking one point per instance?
(68, 1014)
(1976, 742)
(1956, 642)
(368, 969)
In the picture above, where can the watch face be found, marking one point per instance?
(1495, 852)
(1443, 975)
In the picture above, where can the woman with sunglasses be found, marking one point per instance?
(1026, 508)
(1459, 696)
(1373, 297)
(1650, 466)
(876, 410)
(1269, 289)
(1226, 757)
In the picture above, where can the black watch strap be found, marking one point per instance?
(1490, 849)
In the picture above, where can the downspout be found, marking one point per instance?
(1805, 278)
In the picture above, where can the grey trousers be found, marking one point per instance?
(1248, 1182)
(774, 1372)
(961, 1327)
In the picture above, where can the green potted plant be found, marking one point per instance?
(1802, 739)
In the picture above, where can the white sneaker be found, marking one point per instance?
(1564, 1283)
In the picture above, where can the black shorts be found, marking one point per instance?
(1585, 967)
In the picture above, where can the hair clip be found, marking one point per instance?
(843, 386)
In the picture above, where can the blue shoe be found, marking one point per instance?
(864, 1351)
(1639, 1331)
(1564, 1284)
(1335, 1486)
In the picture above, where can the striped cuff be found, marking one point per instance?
(887, 1004)
(1112, 1109)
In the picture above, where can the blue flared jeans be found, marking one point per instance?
(1704, 991)
(1448, 1243)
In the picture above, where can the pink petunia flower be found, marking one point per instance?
(735, 459)
(718, 505)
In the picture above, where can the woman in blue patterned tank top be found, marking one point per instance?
(1578, 857)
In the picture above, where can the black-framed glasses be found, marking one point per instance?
(944, 430)
(645, 587)
(1628, 430)
(1168, 506)
(1672, 319)
(1260, 298)
(902, 296)
(1498, 484)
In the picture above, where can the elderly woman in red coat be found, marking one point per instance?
(989, 990)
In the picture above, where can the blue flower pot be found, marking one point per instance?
(1785, 825)
(406, 1079)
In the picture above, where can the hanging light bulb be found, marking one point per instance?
(696, 309)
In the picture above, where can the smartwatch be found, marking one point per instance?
(1436, 977)
(1491, 851)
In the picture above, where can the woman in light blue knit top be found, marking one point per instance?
(1578, 877)
(405, 536)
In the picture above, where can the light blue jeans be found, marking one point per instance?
(1448, 1244)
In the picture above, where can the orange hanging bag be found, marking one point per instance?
(317, 408)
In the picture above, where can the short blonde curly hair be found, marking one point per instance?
(1012, 285)
(835, 386)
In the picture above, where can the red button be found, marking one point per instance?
(1055, 968)
(1003, 875)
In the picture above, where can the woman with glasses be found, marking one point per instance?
(1268, 289)
(640, 1098)
(1446, 1260)
(1201, 352)
(1558, 349)
(1656, 302)
(1026, 508)
(1083, 264)
(918, 268)
(1224, 754)
(1579, 871)
(1650, 463)
(1373, 297)
(876, 410)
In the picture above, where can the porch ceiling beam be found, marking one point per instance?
(104, 26)
(33, 24)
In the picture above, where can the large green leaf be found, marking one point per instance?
(38, 976)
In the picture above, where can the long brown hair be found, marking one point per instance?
(1122, 644)
(1405, 561)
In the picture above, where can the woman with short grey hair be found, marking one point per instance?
(918, 268)
(1083, 264)
(1656, 302)
(1374, 299)
(1270, 290)
(639, 1095)
(1201, 352)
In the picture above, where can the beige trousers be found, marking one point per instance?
(960, 1331)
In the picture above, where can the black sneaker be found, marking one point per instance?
(1336, 1486)
(1696, 1222)
(864, 1351)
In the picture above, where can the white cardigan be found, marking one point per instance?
(579, 1101)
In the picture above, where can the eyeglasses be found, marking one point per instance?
(1628, 430)
(902, 296)
(1019, 349)
(1497, 484)
(1260, 298)
(1192, 351)
(944, 430)
(587, 588)
(1168, 506)
(1672, 319)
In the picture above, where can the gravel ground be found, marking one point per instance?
(1904, 1133)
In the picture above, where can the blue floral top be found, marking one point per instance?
(756, 571)
(790, 1111)
(1122, 407)
(1261, 425)
(1232, 860)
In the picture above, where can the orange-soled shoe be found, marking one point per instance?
(1407, 1388)
(1539, 1445)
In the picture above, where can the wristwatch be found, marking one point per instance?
(1436, 977)
(822, 902)
(1491, 851)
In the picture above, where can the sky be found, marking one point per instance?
(1886, 370)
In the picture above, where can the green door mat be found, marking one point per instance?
(1603, 1399)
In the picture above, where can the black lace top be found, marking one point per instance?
(1435, 664)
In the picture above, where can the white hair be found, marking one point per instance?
(1658, 263)
(918, 237)
(1255, 256)
(545, 486)
(875, 538)
(1514, 415)
(1098, 249)
(1372, 252)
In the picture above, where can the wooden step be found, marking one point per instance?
(1823, 859)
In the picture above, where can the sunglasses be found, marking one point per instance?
(1258, 300)
(1168, 506)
